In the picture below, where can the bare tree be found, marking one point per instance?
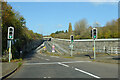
(81, 27)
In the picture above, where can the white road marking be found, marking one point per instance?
(39, 63)
(49, 77)
(54, 62)
(47, 59)
(46, 77)
(63, 64)
(87, 73)
(75, 61)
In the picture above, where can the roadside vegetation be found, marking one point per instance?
(22, 36)
(83, 31)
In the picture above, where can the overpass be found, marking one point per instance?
(47, 38)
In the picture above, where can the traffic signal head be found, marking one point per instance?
(94, 33)
(72, 38)
(10, 32)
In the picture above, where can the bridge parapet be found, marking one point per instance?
(86, 45)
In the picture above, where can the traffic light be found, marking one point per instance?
(91, 33)
(72, 38)
(10, 32)
(94, 33)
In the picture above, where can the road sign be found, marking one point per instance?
(53, 48)
(44, 48)
(10, 32)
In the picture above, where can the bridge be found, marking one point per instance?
(47, 38)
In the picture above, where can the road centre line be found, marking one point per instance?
(54, 62)
(63, 64)
(87, 73)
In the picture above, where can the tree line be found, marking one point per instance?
(83, 31)
(22, 35)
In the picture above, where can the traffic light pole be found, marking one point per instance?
(71, 48)
(94, 50)
(10, 55)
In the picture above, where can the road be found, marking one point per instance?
(38, 65)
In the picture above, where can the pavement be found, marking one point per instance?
(7, 68)
(41, 65)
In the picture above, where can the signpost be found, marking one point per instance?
(94, 36)
(53, 48)
(44, 48)
(71, 45)
(10, 37)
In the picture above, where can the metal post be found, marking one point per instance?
(94, 50)
(10, 51)
(71, 48)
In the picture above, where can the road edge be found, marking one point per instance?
(7, 75)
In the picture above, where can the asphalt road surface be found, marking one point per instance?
(38, 65)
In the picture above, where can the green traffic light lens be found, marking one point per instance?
(94, 36)
(10, 36)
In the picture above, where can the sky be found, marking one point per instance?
(48, 17)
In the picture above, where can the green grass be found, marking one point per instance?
(16, 60)
(19, 64)
(68, 57)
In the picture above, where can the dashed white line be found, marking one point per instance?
(46, 77)
(63, 64)
(87, 73)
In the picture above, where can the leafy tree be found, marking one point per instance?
(70, 29)
(66, 31)
(81, 28)
(22, 35)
